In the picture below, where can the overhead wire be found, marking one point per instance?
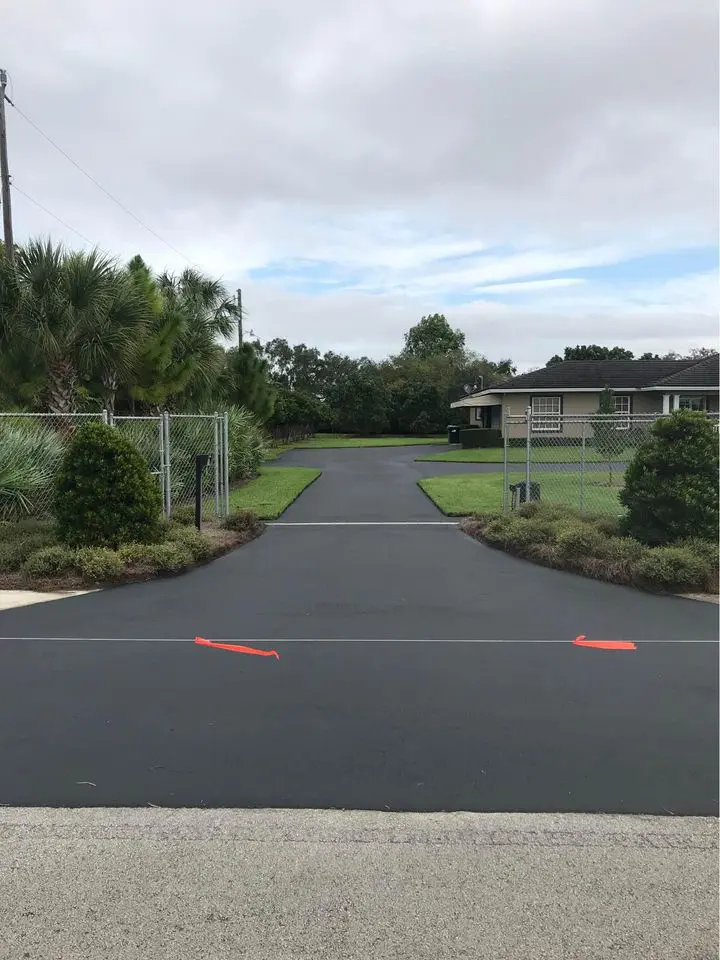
(97, 183)
(37, 203)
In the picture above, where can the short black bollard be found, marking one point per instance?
(201, 461)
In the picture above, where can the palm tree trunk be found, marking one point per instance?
(61, 386)
(110, 385)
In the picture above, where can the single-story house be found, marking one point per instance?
(573, 387)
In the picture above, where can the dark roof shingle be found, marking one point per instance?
(617, 374)
(701, 373)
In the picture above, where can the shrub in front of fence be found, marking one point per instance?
(671, 485)
(104, 494)
(248, 444)
(473, 438)
(587, 545)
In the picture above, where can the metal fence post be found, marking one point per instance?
(163, 477)
(104, 416)
(226, 465)
(506, 478)
(582, 469)
(216, 461)
(528, 452)
(168, 473)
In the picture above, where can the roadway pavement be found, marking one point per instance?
(337, 885)
(477, 701)
(527, 724)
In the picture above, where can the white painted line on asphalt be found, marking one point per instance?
(363, 523)
(248, 640)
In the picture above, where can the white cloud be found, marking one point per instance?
(529, 137)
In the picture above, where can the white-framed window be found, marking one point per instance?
(692, 403)
(546, 413)
(623, 406)
(478, 413)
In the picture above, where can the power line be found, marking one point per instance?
(53, 215)
(98, 184)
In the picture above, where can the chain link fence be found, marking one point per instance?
(32, 446)
(576, 461)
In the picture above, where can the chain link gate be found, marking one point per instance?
(32, 446)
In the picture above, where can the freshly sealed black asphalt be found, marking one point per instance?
(507, 722)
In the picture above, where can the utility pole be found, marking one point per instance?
(5, 175)
(239, 313)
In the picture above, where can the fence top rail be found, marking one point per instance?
(12, 413)
(593, 417)
(194, 416)
(129, 417)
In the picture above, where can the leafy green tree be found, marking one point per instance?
(361, 401)
(432, 336)
(245, 381)
(671, 485)
(592, 352)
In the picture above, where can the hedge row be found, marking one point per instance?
(30, 550)
(593, 546)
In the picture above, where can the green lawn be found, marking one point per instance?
(329, 441)
(539, 455)
(273, 491)
(467, 493)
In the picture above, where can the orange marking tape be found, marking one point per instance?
(236, 648)
(605, 644)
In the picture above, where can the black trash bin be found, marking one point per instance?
(453, 433)
(519, 492)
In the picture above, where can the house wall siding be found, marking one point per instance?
(576, 405)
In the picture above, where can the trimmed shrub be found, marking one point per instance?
(546, 511)
(708, 550)
(184, 514)
(674, 568)
(98, 563)
(49, 562)
(105, 494)
(12, 556)
(579, 540)
(623, 550)
(21, 529)
(241, 521)
(200, 547)
(610, 526)
(14, 552)
(671, 485)
(166, 557)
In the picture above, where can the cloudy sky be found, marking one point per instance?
(544, 172)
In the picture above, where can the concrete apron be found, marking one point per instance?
(9, 599)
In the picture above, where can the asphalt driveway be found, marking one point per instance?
(510, 716)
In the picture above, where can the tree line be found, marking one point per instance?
(80, 331)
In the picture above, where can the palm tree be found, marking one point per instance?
(76, 314)
(180, 354)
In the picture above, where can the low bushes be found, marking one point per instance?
(561, 538)
(31, 556)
